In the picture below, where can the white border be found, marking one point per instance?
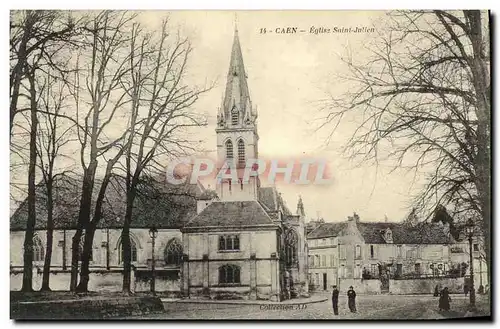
(191, 4)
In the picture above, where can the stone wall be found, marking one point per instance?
(425, 286)
(104, 281)
(86, 309)
(364, 287)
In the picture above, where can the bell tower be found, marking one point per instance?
(237, 137)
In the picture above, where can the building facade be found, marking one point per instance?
(348, 253)
(241, 241)
(246, 244)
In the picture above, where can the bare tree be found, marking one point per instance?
(102, 63)
(424, 100)
(52, 136)
(161, 110)
(33, 33)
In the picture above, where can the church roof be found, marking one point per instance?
(272, 199)
(231, 214)
(160, 204)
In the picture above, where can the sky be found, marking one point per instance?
(289, 77)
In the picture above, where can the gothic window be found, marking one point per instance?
(38, 250)
(229, 149)
(229, 274)
(241, 153)
(173, 253)
(80, 249)
(332, 260)
(229, 242)
(235, 116)
(316, 260)
(133, 251)
(323, 261)
(291, 243)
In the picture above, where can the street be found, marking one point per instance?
(368, 307)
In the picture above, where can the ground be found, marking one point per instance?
(369, 307)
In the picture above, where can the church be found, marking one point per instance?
(247, 242)
(241, 242)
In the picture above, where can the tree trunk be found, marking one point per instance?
(89, 235)
(30, 225)
(83, 220)
(86, 253)
(127, 256)
(481, 80)
(50, 238)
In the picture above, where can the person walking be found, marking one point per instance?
(351, 297)
(335, 300)
(444, 300)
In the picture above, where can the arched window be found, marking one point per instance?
(229, 274)
(241, 153)
(38, 250)
(80, 249)
(229, 150)
(291, 245)
(235, 116)
(133, 251)
(173, 253)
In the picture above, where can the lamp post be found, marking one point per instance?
(470, 232)
(153, 233)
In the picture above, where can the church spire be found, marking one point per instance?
(236, 95)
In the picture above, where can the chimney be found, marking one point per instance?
(356, 217)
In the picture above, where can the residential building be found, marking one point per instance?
(352, 251)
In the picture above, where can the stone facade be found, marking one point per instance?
(355, 250)
(240, 242)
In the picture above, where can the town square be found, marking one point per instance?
(185, 165)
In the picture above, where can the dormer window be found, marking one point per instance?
(388, 236)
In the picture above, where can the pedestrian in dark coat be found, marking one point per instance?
(335, 300)
(351, 299)
(466, 289)
(444, 300)
(436, 291)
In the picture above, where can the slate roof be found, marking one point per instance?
(372, 232)
(231, 214)
(422, 233)
(272, 199)
(326, 230)
(157, 203)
